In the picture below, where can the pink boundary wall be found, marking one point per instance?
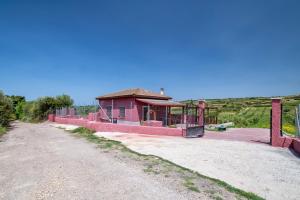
(277, 139)
(153, 123)
(109, 127)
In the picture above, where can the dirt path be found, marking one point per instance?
(38, 161)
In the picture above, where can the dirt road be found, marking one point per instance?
(38, 161)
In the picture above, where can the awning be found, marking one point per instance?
(157, 102)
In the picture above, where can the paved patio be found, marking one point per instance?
(257, 135)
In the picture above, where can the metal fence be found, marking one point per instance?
(65, 112)
(93, 113)
(77, 110)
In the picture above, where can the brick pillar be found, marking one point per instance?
(201, 108)
(276, 121)
(277, 139)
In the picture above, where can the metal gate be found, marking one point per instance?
(193, 128)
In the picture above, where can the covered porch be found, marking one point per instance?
(158, 112)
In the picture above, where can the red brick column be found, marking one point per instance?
(277, 139)
(201, 108)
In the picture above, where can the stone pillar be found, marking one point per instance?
(278, 140)
(201, 108)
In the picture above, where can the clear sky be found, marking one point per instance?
(194, 49)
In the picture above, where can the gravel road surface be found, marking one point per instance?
(38, 161)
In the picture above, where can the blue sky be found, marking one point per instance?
(194, 49)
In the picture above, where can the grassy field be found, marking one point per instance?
(253, 112)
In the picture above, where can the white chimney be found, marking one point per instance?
(162, 91)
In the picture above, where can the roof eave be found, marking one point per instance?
(134, 96)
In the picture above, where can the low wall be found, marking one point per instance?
(153, 123)
(109, 127)
(296, 145)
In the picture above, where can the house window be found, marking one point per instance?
(108, 111)
(122, 112)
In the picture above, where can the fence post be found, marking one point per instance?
(201, 108)
(276, 121)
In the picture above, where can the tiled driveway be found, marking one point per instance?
(258, 135)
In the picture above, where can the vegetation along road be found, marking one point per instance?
(38, 161)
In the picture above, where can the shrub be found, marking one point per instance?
(63, 101)
(288, 128)
(19, 110)
(6, 110)
(2, 130)
(38, 110)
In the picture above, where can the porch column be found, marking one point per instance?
(112, 110)
(166, 116)
(184, 115)
(148, 113)
(169, 115)
(201, 108)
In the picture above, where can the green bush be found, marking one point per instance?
(19, 110)
(63, 101)
(289, 128)
(6, 110)
(38, 110)
(2, 130)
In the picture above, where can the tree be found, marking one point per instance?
(39, 109)
(44, 106)
(64, 101)
(16, 100)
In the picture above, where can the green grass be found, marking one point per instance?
(189, 184)
(2, 130)
(152, 163)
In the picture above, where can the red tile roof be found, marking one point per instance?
(137, 92)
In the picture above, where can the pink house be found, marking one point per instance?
(137, 106)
